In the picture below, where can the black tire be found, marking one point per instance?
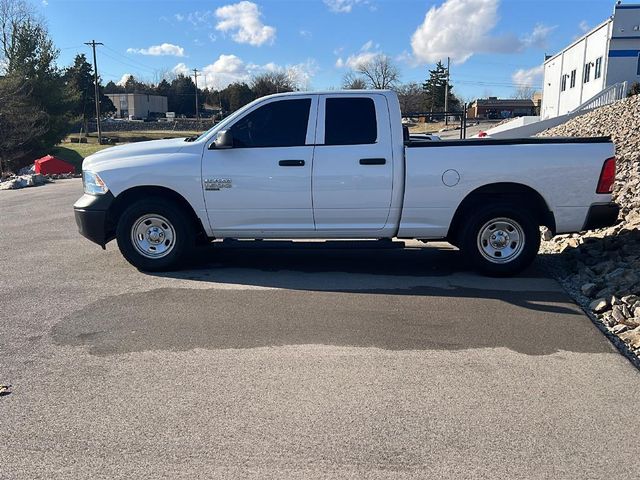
(167, 214)
(481, 252)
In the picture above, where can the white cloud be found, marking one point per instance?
(584, 26)
(157, 50)
(342, 6)
(539, 36)
(228, 69)
(365, 55)
(305, 34)
(198, 18)
(367, 46)
(181, 69)
(123, 79)
(461, 28)
(45, 3)
(243, 19)
(531, 77)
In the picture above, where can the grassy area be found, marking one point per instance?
(74, 153)
(140, 135)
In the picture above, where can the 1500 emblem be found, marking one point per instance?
(216, 183)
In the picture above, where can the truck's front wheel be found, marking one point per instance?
(154, 235)
(500, 240)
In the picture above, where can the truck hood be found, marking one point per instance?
(121, 153)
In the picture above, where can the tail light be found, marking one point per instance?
(607, 176)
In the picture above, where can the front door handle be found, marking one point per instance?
(291, 163)
(373, 161)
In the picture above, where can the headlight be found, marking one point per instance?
(93, 184)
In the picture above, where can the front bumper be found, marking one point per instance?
(602, 215)
(92, 217)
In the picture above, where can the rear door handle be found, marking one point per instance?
(373, 161)
(291, 163)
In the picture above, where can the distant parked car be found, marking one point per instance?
(424, 136)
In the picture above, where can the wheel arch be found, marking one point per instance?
(517, 193)
(133, 194)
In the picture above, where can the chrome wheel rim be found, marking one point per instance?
(153, 236)
(501, 240)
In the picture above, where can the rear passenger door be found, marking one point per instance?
(352, 179)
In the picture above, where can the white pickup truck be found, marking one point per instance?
(334, 165)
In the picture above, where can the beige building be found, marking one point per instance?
(138, 105)
(496, 108)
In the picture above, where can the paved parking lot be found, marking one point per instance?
(295, 360)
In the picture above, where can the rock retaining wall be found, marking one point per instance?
(601, 268)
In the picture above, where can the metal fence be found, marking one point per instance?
(605, 97)
(457, 119)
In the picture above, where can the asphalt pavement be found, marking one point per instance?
(295, 360)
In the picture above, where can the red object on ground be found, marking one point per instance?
(51, 165)
(482, 134)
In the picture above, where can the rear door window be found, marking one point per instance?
(350, 121)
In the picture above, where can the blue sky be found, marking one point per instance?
(495, 45)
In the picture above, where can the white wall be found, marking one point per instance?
(625, 45)
(572, 62)
(551, 87)
(596, 48)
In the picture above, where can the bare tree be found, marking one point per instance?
(524, 92)
(272, 82)
(380, 72)
(411, 97)
(13, 14)
(351, 81)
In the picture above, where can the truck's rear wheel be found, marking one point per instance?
(154, 235)
(500, 240)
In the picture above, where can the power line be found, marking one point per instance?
(93, 44)
(129, 64)
(148, 67)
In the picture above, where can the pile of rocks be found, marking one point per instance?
(15, 182)
(601, 268)
(21, 181)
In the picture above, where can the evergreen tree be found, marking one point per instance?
(182, 97)
(434, 89)
(236, 96)
(80, 81)
(29, 59)
(111, 87)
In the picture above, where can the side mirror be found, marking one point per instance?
(223, 140)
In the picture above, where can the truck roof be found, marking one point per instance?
(333, 92)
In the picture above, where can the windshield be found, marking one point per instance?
(227, 121)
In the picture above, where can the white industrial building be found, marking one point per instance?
(597, 63)
(138, 105)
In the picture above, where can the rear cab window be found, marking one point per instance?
(350, 121)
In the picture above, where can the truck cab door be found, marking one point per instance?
(261, 184)
(352, 164)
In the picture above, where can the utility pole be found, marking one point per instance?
(195, 74)
(446, 95)
(93, 44)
